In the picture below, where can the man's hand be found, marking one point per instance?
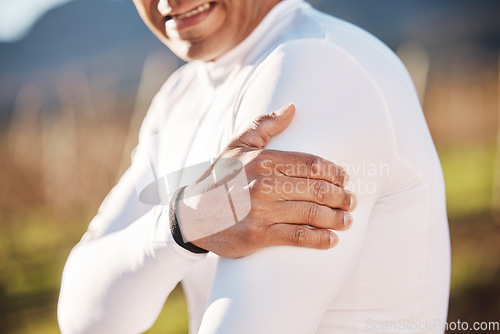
(296, 198)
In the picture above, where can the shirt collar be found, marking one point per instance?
(261, 39)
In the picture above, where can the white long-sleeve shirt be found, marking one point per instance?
(356, 106)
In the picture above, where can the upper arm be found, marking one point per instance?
(122, 206)
(341, 116)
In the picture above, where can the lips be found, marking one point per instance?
(200, 9)
(187, 18)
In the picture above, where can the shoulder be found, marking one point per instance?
(318, 41)
(339, 105)
(317, 72)
(334, 86)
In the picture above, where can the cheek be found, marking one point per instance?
(233, 20)
(238, 18)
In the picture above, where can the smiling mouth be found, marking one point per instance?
(192, 12)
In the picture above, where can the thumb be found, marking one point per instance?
(264, 127)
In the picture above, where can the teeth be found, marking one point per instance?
(195, 11)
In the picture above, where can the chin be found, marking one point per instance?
(196, 54)
(204, 51)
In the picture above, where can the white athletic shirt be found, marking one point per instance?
(356, 106)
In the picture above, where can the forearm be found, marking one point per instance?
(118, 283)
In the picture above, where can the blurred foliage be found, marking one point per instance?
(42, 217)
(35, 244)
(468, 172)
(72, 131)
(475, 280)
(33, 249)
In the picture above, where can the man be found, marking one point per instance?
(355, 105)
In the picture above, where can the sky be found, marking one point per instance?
(18, 16)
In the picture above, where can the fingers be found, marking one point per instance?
(317, 191)
(265, 127)
(305, 165)
(312, 214)
(300, 236)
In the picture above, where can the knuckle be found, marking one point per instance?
(255, 187)
(336, 172)
(312, 212)
(258, 135)
(342, 176)
(255, 124)
(261, 188)
(263, 118)
(264, 161)
(314, 165)
(319, 191)
(300, 236)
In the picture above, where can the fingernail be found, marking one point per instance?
(283, 110)
(346, 179)
(333, 239)
(353, 203)
(347, 220)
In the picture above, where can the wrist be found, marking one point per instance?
(175, 226)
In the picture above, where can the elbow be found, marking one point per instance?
(73, 319)
(70, 315)
(74, 314)
(67, 325)
(67, 317)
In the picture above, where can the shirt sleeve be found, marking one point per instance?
(119, 275)
(341, 116)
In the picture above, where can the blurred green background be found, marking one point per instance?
(76, 85)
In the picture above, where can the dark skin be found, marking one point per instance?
(277, 217)
(206, 30)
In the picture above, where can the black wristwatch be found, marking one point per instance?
(174, 224)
